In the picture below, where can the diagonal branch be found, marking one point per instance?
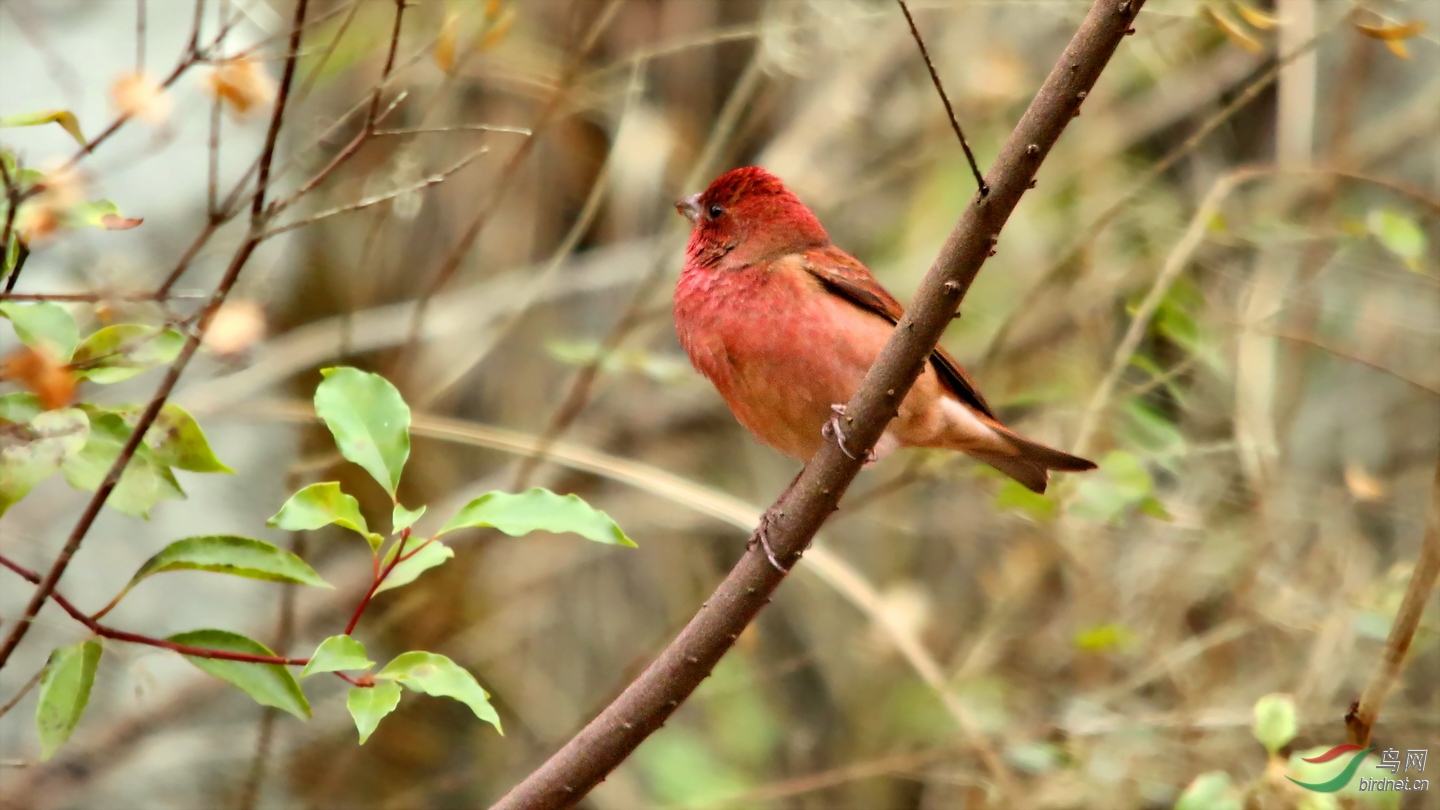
(646, 704)
(1361, 719)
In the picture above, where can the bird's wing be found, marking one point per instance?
(844, 275)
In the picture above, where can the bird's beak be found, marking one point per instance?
(689, 207)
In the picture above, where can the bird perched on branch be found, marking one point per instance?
(786, 324)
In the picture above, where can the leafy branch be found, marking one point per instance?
(370, 422)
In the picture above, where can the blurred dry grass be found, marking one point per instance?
(1269, 434)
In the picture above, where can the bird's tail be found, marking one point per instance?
(1027, 461)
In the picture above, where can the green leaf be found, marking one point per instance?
(369, 706)
(45, 326)
(1275, 721)
(144, 483)
(538, 510)
(320, 505)
(36, 447)
(177, 441)
(1210, 791)
(369, 419)
(429, 555)
(121, 351)
(1121, 484)
(64, 118)
(1012, 495)
(21, 406)
(336, 653)
(64, 690)
(100, 214)
(268, 684)
(228, 554)
(1155, 509)
(1398, 234)
(1102, 638)
(437, 675)
(402, 518)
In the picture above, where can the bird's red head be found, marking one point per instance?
(747, 215)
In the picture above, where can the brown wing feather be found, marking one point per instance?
(845, 276)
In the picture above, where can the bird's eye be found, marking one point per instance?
(716, 211)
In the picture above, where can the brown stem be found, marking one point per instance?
(380, 580)
(227, 282)
(105, 631)
(645, 705)
(1360, 721)
(12, 206)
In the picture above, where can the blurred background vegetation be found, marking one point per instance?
(1225, 288)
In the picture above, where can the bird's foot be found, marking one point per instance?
(762, 537)
(833, 430)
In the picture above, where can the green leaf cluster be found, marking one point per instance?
(371, 426)
(83, 442)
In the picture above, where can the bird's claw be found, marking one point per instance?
(832, 430)
(762, 536)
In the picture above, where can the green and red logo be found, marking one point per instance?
(1341, 779)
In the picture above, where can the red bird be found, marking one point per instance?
(786, 324)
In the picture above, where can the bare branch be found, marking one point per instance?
(461, 249)
(645, 705)
(1360, 722)
(366, 202)
(944, 99)
(381, 133)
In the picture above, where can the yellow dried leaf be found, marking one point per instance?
(1363, 485)
(1233, 30)
(139, 96)
(445, 44)
(38, 372)
(497, 30)
(64, 118)
(1392, 33)
(237, 326)
(241, 83)
(37, 223)
(1254, 16)
(115, 222)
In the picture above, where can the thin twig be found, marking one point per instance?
(793, 521)
(553, 106)
(24, 690)
(944, 99)
(139, 37)
(1360, 721)
(105, 631)
(189, 59)
(97, 297)
(362, 204)
(383, 133)
(372, 116)
(152, 411)
(1092, 231)
(1175, 263)
(1307, 340)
